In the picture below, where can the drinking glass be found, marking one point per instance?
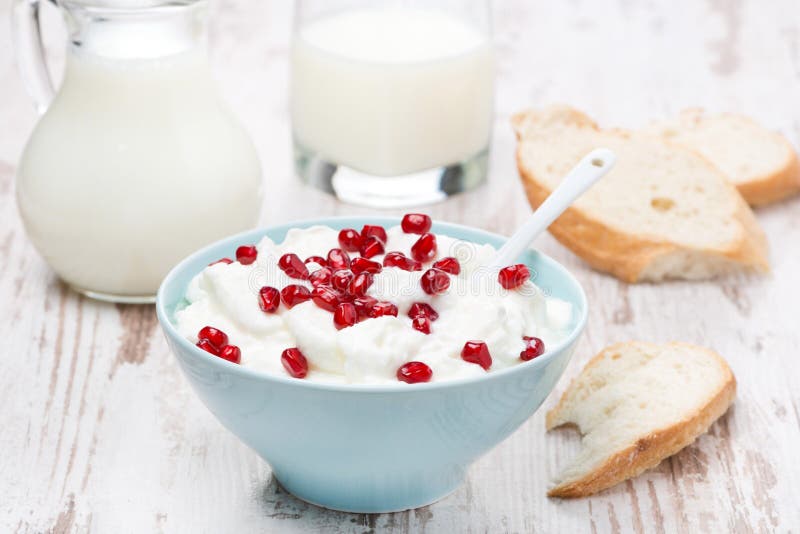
(391, 101)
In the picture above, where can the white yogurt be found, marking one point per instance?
(475, 307)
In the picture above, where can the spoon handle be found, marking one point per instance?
(589, 169)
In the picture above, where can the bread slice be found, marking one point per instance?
(760, 163)
(635, 404)
(663, 212)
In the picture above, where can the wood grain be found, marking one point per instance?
(99, 432)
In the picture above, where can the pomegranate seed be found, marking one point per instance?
(226, 261)
(379, 309)
(207, 346)
(294, 294)
(363, 265)
(434, 281)
(374, 231)
(421, 323)
(425, 248)
(326, 298)
(400, 260)
(246, 254)
(350, 239)
(269, 299)
(231, 353)
(364, 306)
(415, 223)
(477, 352)
(293, 266)
(414, 372)
(320, 277)
(513, 276)
(448, 265)
(533, 347)
(319, 260)
(371, 247)
(217, 337)
(345, 315)
(294, 362)
(421, 309)
(358, 287)
(338, 259)
(340, 280)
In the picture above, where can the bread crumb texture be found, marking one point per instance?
(664, 211)
(636, 403)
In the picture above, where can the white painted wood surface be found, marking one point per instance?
(100, 433)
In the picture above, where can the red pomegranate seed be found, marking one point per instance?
(422, 309)
(294, 362)
(363, 265)
(207, 346)
(513, 276)
(364, 306)
(338, 259)
(414, 372)
(231, 353)
(359, 285)
(226, 261)
(350, 239)
(269, 299)
(374, 231)
(293, 266)
(294, 294)
(340, 279)
(425, 248)
(415, 223)
(319, 260)
(448, 265)
(217, 337)
(320, 277)
(345, 315)
(477, 352)
(371, 247)
(326, 298)
(421, 323)
(401, 261)
(246, 254)
(434, 281)
(533, 347)
(379, 309)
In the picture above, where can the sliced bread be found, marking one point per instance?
(760, 163)
(663, 212)
(635, 404)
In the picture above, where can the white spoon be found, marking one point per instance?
(591, 168)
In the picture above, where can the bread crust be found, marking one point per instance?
(774, 187)
(629, 256)
(649, 450)
(768, 188)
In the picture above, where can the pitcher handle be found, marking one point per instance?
(27, 37)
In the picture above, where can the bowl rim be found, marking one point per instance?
(439, 227)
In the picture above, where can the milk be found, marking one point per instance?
(136, 164)
(393, 91)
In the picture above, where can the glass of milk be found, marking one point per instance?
(136, 161)
(391, 100)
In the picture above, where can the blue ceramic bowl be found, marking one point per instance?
(369, 448)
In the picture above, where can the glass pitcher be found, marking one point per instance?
(136, 161)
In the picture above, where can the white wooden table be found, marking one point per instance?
(100, 433)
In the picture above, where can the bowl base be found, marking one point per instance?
(355, 505)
